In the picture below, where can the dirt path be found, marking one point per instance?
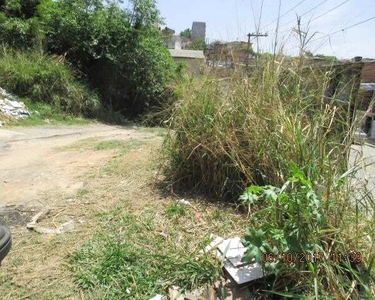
(33, 170)
(77, 172)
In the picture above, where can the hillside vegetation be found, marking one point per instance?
(117, 52)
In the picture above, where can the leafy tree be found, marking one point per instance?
(326, 57)
(186, 33)
(19, 25)
(168, 32)
(121, 51)
(24, 9)
(197, 44)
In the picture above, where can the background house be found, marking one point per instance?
(194, 59)
(368, 73)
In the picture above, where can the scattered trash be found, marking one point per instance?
(63, 228)
(183, 201)
(163, 234)
(186, 202)
(67, 227)
(11, 107)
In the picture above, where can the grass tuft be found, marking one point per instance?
(175, 209)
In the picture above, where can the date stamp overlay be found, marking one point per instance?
(353, 257)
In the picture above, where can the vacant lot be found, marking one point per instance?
(104, 179)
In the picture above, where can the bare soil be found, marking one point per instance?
(57, 167)
(35, 172)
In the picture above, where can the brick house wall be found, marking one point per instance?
(368, 73)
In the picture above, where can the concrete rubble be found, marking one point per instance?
(239, 274)
(10, 106)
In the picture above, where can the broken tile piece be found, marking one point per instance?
(213, 245)
(233, 250)
(244, 274)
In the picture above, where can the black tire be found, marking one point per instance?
(5, 242)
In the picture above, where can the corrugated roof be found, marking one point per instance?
(187, 53)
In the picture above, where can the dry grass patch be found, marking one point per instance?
(122, 203)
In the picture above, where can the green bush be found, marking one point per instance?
(45, 79)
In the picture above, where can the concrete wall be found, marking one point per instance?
(194, 64)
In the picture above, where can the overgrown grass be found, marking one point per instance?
(130, 259)
(226, 135)
(45, 79)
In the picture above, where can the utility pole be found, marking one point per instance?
(257, 35)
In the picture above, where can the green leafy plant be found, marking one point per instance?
(294, 237)
(294, 219)
(176, 209)
(19, 25)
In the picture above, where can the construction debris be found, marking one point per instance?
(63, 228)
(10, 106)
(214, 244)
(232, 252)
(240, 274)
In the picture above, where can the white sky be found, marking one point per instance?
(231, 20)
